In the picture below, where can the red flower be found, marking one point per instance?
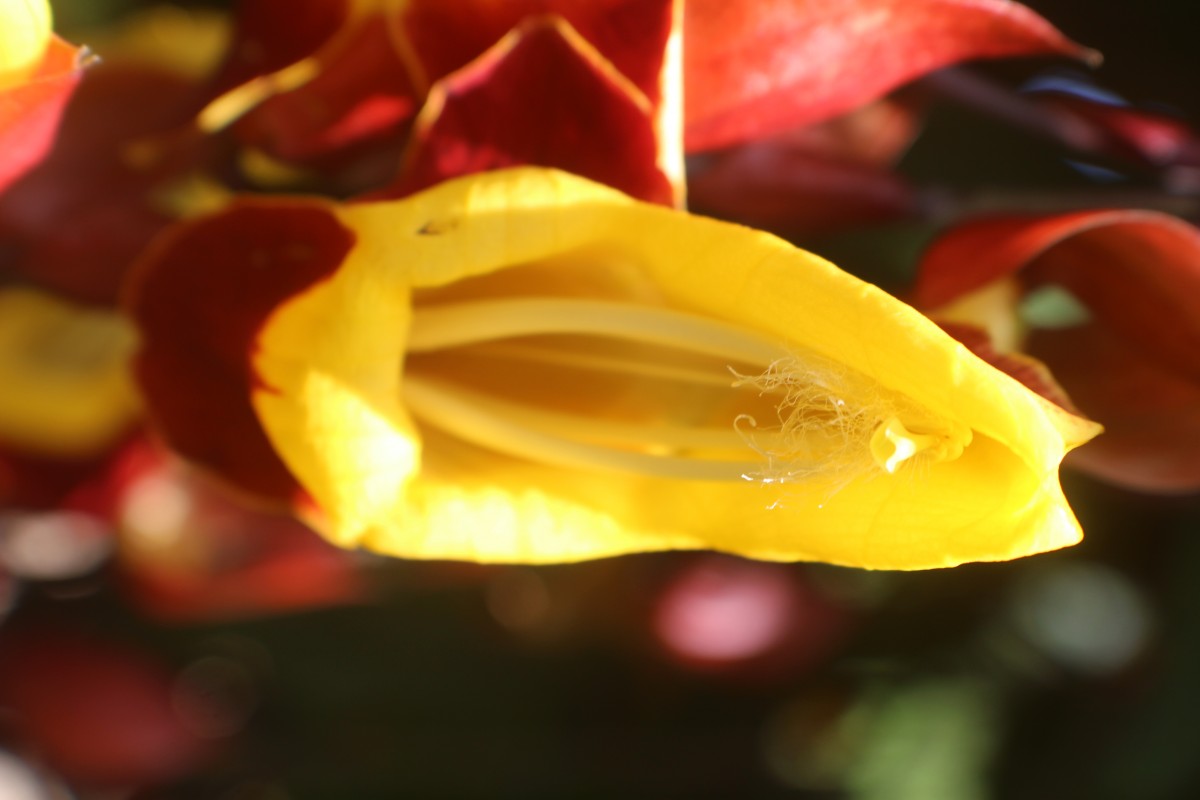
(1125, 342)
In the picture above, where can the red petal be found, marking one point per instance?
(1029, 371)
(361, 96)
(99, 712)
(781, 188)
(876, 134)
(1136, 368)
(90, 180)
(199, 298)
(757, 67)
(32, 481)
(1151, 415)
(814, 179)
(271, 34)
(29, 113)
(541, 96)
(631, 34)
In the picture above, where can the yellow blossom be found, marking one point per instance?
(528, 367)
(64, 372)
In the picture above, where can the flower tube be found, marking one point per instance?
(524, 366)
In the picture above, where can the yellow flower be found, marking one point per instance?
(64, 372)
(526, 366)
(25, 30)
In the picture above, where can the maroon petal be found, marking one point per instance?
(362, 97)
(200, 297)
(542, 96)
(272, 34)
(1151, 414)
(1135, 367)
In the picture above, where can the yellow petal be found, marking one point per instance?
(984, 487)
(66, 388)
(25, 30)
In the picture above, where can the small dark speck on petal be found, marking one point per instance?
(436, 227)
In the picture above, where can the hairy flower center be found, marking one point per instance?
(641, 389)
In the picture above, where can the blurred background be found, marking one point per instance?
(208, 651)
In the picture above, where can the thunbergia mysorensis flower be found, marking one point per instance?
(526, 366)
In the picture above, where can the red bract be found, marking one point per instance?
(544, 96)
(759, 67)
(30, 111)
(361, 97)
(816, 179)
(562, 72)
(34, 481)
(1134, 364)
(271, 34)
(109, 167)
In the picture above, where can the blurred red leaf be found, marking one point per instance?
(876, 134)
(33, 481)
(721, 614)
(756, 68)
(94, 178)
(1121, 131)
(99, 712)
(1157, 139)
(780, 187)
(362, 95)
(269, 35)
(541, 96)
(30, 112)
(815, 179)
(1135, 366)
(191, 552)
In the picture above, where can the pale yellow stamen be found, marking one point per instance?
(612, 364)
(460, 324)
(830, 423)
(543, 437)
